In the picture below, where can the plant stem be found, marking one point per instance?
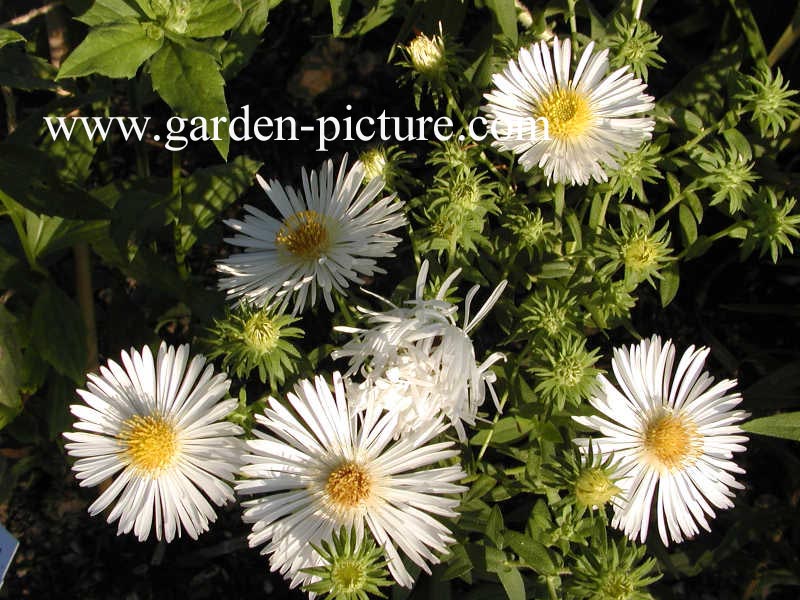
(85, 293)
(11, 108)
(31, 15)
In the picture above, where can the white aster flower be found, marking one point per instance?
(672, 438)
(158, 427)
(418, 363)
(589, 115)
(328, 468)
(329, 235)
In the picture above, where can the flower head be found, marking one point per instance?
(773, 226)
(569, 126)
(329, 236)
(670, 438)
(321, 468)
(250, 338)
(613, 571)
(158, 427)
(418, 363)
(768, 98)
(352, 570)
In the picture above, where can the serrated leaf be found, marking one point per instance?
(8, 36)
(533, 553)
(211, 18)
(115, 50)
(189, 80)
(57, 332)
(207, 192)
(784, 425)
(104, 12)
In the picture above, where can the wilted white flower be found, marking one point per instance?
(418, 363)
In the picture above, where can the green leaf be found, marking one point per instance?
(245, 37)
(506, 430)
(29, 177)
(7, 36)
(784, 425)
(382, 11)
(512, 583)
(505, 11)
(57, 332)
(688, 224)
(668, 285)
(72, 157)
(339, 12)
(104, 12)
(755, 42)
(458, 563)
(207, 192)
(189, 80)
(211, 18)
(495, 527)
(533, 553)
(115, 50)
(22, 71)
(10, 360)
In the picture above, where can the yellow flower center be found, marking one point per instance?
(567, 112)
(348, 575)
(260, 333)
(672, 441)
(150, 442)
(304, 234)
(640, 253)
(348, 485)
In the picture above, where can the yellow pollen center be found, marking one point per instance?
(567, 112)
(260, 333)
(640, 253)
(304, 234)
(150, 442)
(671, 440)
(348, 485)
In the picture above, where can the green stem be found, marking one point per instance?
(142, 163)
(735, 113)
(85, 295)
(725, 232)
(601, 218)
(558, 206)
(671, 204)
(573, 21)
(451, 102)
(488, 439)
